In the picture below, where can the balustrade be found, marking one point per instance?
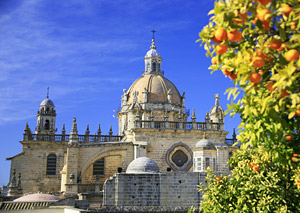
(81, 138)
(143, 124)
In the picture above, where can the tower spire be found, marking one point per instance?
(48, 92)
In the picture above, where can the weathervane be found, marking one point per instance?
(153, 31)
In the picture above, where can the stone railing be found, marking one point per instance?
(81, 138)
(146, 124)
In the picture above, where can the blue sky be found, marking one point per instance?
(87, 51)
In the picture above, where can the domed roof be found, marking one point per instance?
(36, 197)
(157, 87)
(142, 165)
(204, 143)
(152, 53)
(47, 102)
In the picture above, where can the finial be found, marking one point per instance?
(26, 127)
(48, 92)
(74, 120)
(234, 135)
(153, 39)
(87, 127)
(153, 31)
(193, 115)
(99, 130)
(64, 128)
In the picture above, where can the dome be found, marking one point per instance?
(37, 197)
(47, 102)
(204, 143)
(152, 53)
(142, 165)
(157, 87)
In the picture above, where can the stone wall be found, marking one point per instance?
(166, 189)
(159, 141)
(32, 164)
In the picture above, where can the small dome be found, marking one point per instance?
(36, 197)
(152, 53)
(157, 87)
(204, 143)
(47, 102)
(142, 165)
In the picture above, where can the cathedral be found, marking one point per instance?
(156, 140)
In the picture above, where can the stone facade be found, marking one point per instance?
(153, 123)
(165, 189)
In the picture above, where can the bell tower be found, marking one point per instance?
(46, 117)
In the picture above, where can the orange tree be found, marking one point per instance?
(256, 44)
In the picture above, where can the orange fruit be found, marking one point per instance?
(293, 159)
(232, 76)
(221, 48)
(275, 44)
(215, 40)
(255, 78)
(264, 2)
(270, 86)
(284, 93)
(235, 36)
(226, 72)
(283, 46)
(262, 14)
(266, 25)
(269, 58)
(293, 26)
(261, 72)
(258, 62)
(292, 55)
(214, 60)
(298, 112)
(218, 179)
(256, 168)
(251, 165)
(286, 9)
(221, 34)
(288, 138)
(241, 18)
(295, 155)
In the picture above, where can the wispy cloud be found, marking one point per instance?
(67, 43)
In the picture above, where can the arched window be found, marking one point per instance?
(51, 164)
(98, 167)
(153, 66)
(148, 66)
(47, 124)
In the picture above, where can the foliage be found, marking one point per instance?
(263, 63)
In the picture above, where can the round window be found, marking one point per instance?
(179, 158)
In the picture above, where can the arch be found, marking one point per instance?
(51, 164)
(102, 154)
(153, 66)
(47, 124)
(98, 167)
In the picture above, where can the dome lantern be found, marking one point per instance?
(153, 59)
